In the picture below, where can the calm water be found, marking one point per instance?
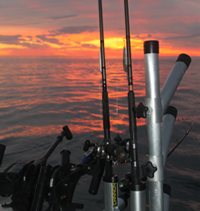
(38, 96)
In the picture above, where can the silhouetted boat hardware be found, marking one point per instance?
(30, 182)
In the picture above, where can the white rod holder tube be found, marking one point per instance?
(138, 198)
(153, 120)
(173, 80)
(111, 189)
(167, 127)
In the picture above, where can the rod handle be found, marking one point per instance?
(96, 179)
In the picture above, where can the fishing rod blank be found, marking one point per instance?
(110, 180)
(131, 104)
(153, 120)
(138, 201)
(181, 65)
(106, 120)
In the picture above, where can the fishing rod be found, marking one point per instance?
(106, 120)
(181, 139)
(131, 106)
(137, 188)
(110, 180)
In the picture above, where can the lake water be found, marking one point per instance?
(39, 95)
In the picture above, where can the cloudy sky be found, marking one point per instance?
(70, 28)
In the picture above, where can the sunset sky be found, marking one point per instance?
(70, 28)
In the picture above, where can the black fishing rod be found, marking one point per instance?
(105, 105)
(137, 188)
(131, 107)
(110, 180)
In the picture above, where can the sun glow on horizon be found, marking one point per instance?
(83, 45)
(7, 46)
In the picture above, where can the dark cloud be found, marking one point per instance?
(19, 40)
(89, 46)
(62, 17)
(10, 39)
(183, 37)
(26, 24)
(35, 45)
(73, 30)
(188, 40)
(142, 36)
(46, 39)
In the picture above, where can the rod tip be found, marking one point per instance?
(184, 58)
(151, 46)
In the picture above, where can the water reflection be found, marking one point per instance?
(44, 92)
(39, 86)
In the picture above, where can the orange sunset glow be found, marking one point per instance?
(71, 28)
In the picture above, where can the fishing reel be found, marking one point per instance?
(118, 152)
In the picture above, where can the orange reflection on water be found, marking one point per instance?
(40, 94)
(25, 131)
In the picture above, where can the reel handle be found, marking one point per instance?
(87, 144)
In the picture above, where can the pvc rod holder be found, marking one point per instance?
(111, 189)
(167, 127)
(153, 120)
(138, 198)
(171, 84)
